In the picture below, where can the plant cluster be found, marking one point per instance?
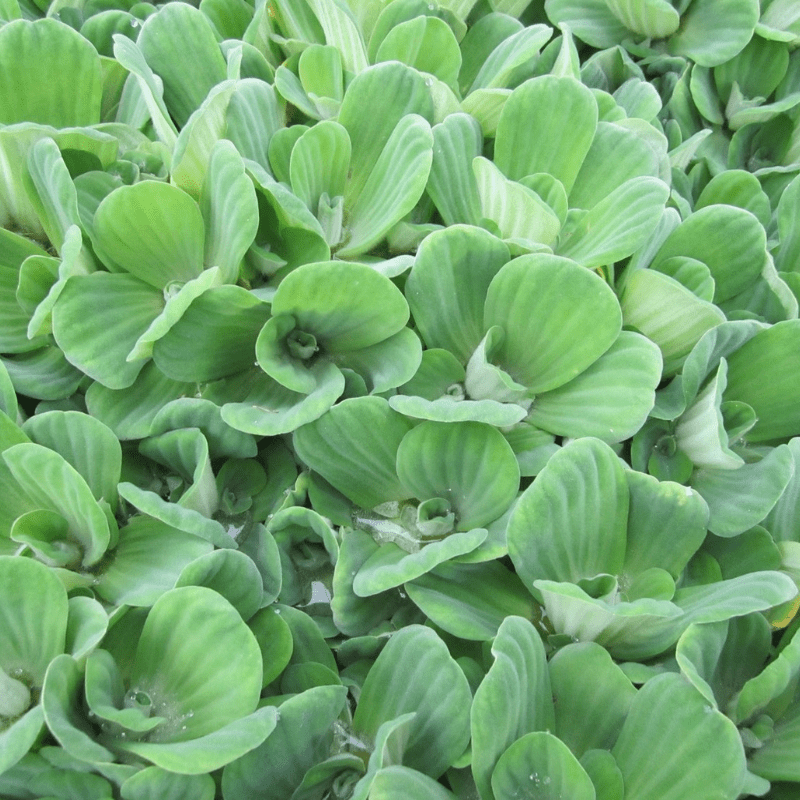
(399, 399)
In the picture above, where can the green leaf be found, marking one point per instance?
(341, 31)
(254, 403)
(698, 654)
(455, 266)
(391, 90)
(319, 163)
(214, 338)
(397, 782)
(91, 303)
(321, 73)
(590, 20)
(426, 43)
(174, 515)
(543, 298)
(146, 561)
(33, 623)
(150, 88)
(471, 601)
(302, 738)
(275, 640)
(783, 519)
(700, 431)
(736, 597)
(50, 75)
(392, 566)
(512, 700)
(617, 154)
(105, 696)
(46, 533)
(354, 615)
(230, 210)
(591, 696)
(130, 412)
(610, 400)
(570, 523)
(231, 574)
(394, 186)
(188, 80)
(415, 673)
(63, 712)
(599, 237)
(94, 335)
(467, 463)
(211, 751)
(500, 65)
(151, 230)
(741, 498)
(346, 306)
(198, 690)
(735, 187)
(694, 39)
(545, 766)
(777, 759)
(253, 116)
(154, 783)
(196, 412)
(530, 140)
(284, 352)
(518, 213)
(670, 315)
(762, 374)
(652, 19)
(8, 397)
(86, 443)
(667, 711)
(447, 409)
(666, 525)
(729, 240)
(185, 453)
(457, 140)
(53, 484)
(387, 364)
(51, 191)
(17, 739)
(770, 683)
(354, 447)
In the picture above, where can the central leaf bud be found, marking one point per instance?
(301, 345)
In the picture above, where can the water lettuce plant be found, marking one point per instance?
(399, 399)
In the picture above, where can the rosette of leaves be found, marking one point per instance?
(576, 726)
(714, 424)
(60, 83)
(553, 185)
(360, 177)
(698, 278)
(398, 740)
(738, 671)
(60, 472)
(692, 29)
(159, 694)
(328, 320)
(334, 315)
(63, 469)
(737, 93)
(606, 548)
(163, 281)
(38, 624)
(480, 363)
(424, 494)
(184, 491)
